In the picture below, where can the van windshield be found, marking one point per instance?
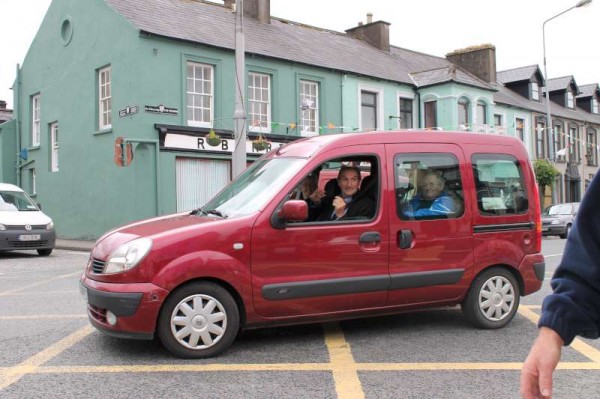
(252, 190)
(15, 201)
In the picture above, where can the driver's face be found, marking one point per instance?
(349, 181)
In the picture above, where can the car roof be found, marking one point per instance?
(307, 147)
(9, 187)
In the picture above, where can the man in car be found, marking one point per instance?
(432, 200)
(349, 203)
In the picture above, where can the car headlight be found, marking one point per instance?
(50, 225)
(555, 222)
(128, 255)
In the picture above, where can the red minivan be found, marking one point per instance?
(258, 254)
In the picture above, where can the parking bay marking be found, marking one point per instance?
(342, 364)
(20, 289)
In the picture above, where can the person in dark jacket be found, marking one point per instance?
(573, 308)
(349, 203)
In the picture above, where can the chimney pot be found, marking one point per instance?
(369, 17)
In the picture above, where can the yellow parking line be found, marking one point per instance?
(345, 376)
(11, 292)
(10, 375)
(194, 368)
(586, 350)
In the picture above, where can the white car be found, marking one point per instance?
(23, 226)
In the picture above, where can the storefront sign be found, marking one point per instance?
(186, 142)
(161, 109)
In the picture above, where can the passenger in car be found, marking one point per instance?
(432, 199)
(350, 203)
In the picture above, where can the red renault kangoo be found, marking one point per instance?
(325, 228)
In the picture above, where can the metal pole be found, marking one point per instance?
(238, 157)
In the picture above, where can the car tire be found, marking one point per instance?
(198, 320)
(493, 299)
(566, 233)
(44, 252)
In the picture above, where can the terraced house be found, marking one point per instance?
(116, 98)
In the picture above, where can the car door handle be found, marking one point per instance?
(369, 237)
(405, 239)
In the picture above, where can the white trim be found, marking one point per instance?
(211, 94)
(314, 106)
(407, 96)
(54, 144)
(260, 129)
(104, 98)
(36, 120)
(378, 91)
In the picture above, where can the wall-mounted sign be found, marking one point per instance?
(160, 109)
(128, 110)
(186, 142)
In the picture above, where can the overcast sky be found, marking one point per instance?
(434, 27)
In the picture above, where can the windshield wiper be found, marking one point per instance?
(208, 212)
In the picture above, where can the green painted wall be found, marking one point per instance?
(90, 194)
(8, 151)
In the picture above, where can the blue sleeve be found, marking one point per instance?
(441, 206)
(574, 306)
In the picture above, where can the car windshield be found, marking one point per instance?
(560, 209)
(15, 201)
(253, 188)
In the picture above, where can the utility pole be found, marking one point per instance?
(238, 157)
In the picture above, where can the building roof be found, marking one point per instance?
(588, 90)
(517, 74)
(282, 39)
(448, 74)
(562, 83)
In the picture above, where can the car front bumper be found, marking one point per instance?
(136, 307)
(21, 239)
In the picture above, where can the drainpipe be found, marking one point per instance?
(157, 153)
(17, 111)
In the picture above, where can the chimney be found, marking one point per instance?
(478, 60)
(375, 33)
(258, 9)
(3, 104)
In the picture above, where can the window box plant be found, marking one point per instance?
(213, 139)
(260, 143)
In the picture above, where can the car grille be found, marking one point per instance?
(27, 244)
(22, 227)
(98, 266)
(97, 313)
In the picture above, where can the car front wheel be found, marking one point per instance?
(199, 320)
(493, 299)
(44, 252)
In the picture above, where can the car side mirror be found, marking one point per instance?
(294, 211)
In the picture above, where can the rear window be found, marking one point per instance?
(500, 185)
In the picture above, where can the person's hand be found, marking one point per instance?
(317, 196)
(536, 374)
(339, 205)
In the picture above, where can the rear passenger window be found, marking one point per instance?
(428, 186)
(499, 184)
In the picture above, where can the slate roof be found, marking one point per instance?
(561, 83)
(5, 115)
(517, 74)
(448, 74)
(588, 90)
(214, 25)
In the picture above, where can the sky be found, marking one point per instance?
(435, 27)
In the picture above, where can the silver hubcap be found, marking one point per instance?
(198, 322)
(496, 298)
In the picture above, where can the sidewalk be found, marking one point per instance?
(74, 245)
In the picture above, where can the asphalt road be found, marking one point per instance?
(48, 350)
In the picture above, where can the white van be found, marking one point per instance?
(23, 225)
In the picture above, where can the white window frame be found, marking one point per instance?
(594, 106)
(33, 181)
(258, 120)
(196, 91)
(405, 96)
(36, 120)
(535, 91)
(104, 98)
(378, 104)
(309, 107)
(54, 147)
(570, 100)
(527, 140)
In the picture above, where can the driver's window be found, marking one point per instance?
(341, 189)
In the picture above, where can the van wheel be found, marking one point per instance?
(199, 320)
(44, 252)
(493, 299)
